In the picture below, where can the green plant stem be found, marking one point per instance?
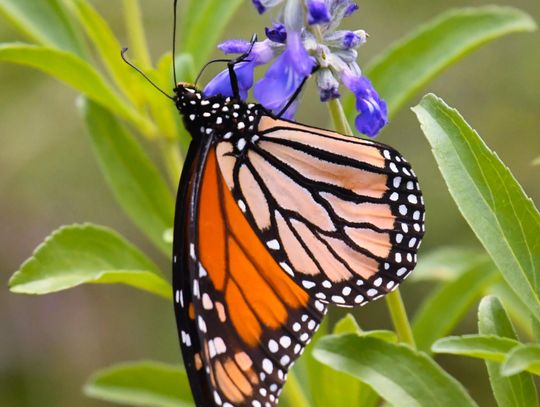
(339, 120)
(135, 29)
(295, 395)
(399, 318)
(393, 299)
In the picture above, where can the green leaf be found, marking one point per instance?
(407, 66)
(515, 391)
(503, 218)
(347, 324)
(109, 49)
(536, 161)
(442, 310)
(522, 358)
(446, 263)
(74, 71)
(79, 254)
(400, 375)
(132, 176)
(205, 22)
(135, 29)
(144, 383)
(45, 22)
(340, 389)
(513, 306)
(487, 347)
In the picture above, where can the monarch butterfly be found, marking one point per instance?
(274, 221)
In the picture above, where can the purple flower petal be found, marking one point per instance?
(234, 46)
(351, 9)
(318, 12)
(259, 6)
(351, 40)
(285, 75)
(277, 33)
(297, 55)
(329, 94)
(373, 111)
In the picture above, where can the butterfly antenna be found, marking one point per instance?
(122, 53)
(175, 13)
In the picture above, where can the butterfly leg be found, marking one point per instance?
(233, 62)
(292, 98)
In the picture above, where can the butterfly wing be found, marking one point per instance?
(342, 216)
(183, 296)
(243, 321)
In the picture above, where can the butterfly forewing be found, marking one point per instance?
(342, 216)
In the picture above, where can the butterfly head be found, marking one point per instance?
(187, 97)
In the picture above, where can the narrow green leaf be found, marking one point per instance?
(407, 66)
(109, 48)
(535, 328)
(79, 254)
(487, 347)
(442, 310)
(45, 22)
(132, 176)
(209, 19)
(135, 28)
(513, 306)
(522, 358)
(74, 71)
(400, 375)
(144, 383)
(446, 263)
(503, 218)
(518, 390)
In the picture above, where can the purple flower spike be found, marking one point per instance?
(284, 77)
(373, 112)
(318, 12)
(277, 33)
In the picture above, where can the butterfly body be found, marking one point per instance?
(218, 117)
(274, 221)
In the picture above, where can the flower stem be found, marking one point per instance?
(394, 301)
(137, 39)
(399, 318)
(339, 120)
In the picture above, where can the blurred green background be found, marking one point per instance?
(48, 177)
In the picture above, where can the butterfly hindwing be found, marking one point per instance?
(183, 298)
(248, 320)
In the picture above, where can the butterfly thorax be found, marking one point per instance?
(218, 117)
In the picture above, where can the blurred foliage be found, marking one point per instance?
(49, 178)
